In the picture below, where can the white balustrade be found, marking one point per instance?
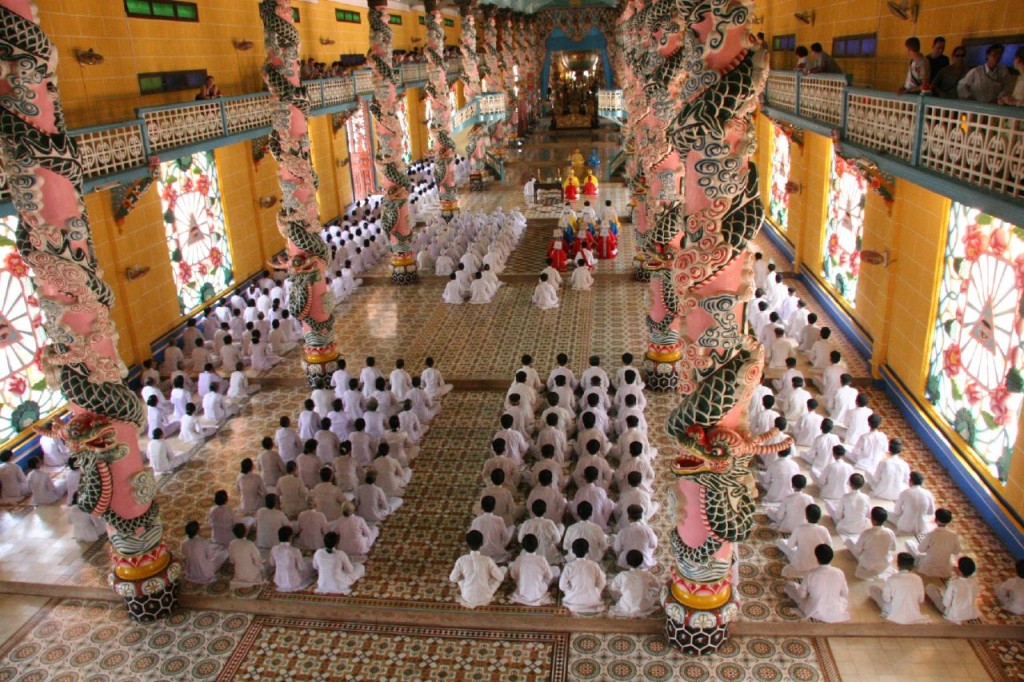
(492, 103)
(247, 113)
(338, 91)
(882, 123)
(980, 145)
(460, 117)
(184, 125)
(110, 150)
(821, 97)
(364, 82)
(781, 90)
(610, 100)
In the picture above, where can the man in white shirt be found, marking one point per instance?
(545, 296)
(823, 593)
(476, 574)
(901, 596)
(934, 554)
(914, 508)
(822, 349)
(874, 548)
(799, 546)
(791, 513)
(958, 600)
(986, 82)
(497, 534)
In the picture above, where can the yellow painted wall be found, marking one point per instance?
(953, 19)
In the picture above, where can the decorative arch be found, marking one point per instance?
(558, 41)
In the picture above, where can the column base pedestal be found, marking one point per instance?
(404, 270)
(449, 209)
(661, 372)
(153, 597)
(476, 181)
(640, 273)
(694, 631)
(319, 365)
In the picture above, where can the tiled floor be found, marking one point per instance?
(408, 567)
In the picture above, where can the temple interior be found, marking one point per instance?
(889, 207)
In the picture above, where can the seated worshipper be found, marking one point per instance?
(593, 457)
(892, 474)
(581, 279)
(636, 591)
(799, 546)
(328, 498)
(291, 571)
(635, 462)
(766, 417)
(585, 528)
(634, 494)
(43, 488)
(402, 447)
(546, 532)
(781, 348)
(392, 477)
(327, 442)
(777, 479)
(481, 290)
(452, 291)
(335, 571)
(497, 534)
(784, 383)
(250, 488)
(309, 420)
(594, 494)
(161, 457)
(934, 554)
(500, 461)
(239, 386)
(345, 468)
(55, 450)
(444, 266)
(289, 445)
(85, 527)
(843, 400)
(957, 600)
(371, 501)
(607, 243)
(821, 349)
(857, 420)
(636, 536)
(582, 582)
(832, 482)
(790, 514)
(808, 427)
(356, 536)
(222, 518)
(914, 508)
(13, 482)
(400, 381)
(363, 444)
(870, 447)
(821, 453)
(476, 574)
(245, 558)
(822, 595)
(874, 548)
(562, 367)
(216, 408)
(311, 526)
(1010, 593)
(292, 492)
(545, 296)
(368, 376)
(202, 558)
(505, 506)
(308, 465)
(271, 464)
(192, 430)
(533, 575)
(902, 594)
(157, 419)
(796, 402)
(433, 382)
(548, 492)
(851, 514)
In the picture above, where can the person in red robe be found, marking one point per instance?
(571, 188)
(557, 255)
(590, 185)
(607, 244)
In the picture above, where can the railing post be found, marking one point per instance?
(915, 149)
(796, 103)
(223, 116)
(844, 106)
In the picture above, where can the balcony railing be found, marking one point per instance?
(981, 145)
(124, 148)
(611, 104)
(487, 108)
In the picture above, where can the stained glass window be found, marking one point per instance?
(778, 201)
(196, 236)
(24, 394)
(403, 121)
(844, 229)
(974, 376)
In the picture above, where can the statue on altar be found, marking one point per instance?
(594, 160)
(571, 187)
(577, 162)
(590, 184)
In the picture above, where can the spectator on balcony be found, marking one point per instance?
(1016, 98)
(307, 68)
(989, 81)
(801, 58)
(821, 61)
(918, 71)
(944, 82)
(209, 90)
(937, 61)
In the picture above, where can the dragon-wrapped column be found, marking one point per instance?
(395, 184)
(471, 89)
(441, 112)
(712, 132)
(298, 220)
(495, 78)
(44, 174)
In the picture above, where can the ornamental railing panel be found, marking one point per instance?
(178, 126)
(982, 145)
(781, 90)
(821, 97)
(106, 150)
(610, 100)
(884, 123)
(247, 113)
(492, 103)
(338, 91)
(364, 81)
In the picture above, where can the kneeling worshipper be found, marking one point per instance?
(545, 296)
(571, 187)
(581, 279)
(556, 255)
(335, 571)
(607, 243)
(532, 574)
(476, 574)
(590, 184)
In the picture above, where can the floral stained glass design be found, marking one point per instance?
(974, 376)
(403, 120)
(778, 201)
(24, 396)
(844, 229)
(196, 234)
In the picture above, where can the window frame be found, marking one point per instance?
(860, 52)
(175, 4)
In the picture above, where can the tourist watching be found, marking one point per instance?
(945, 81)
(937, 61)
(801, 58)
(918, 70)
(821, 61)
(1016, 98)
(986, 82)
(209, 90)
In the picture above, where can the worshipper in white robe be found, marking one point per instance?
(582, 582)
(399, 380)
(636, 536)
(833, 480)
(597, 496)
(308, 465)
(781, 349)
(533, 575)
(875, 547)
(549, 493)
(822, 595)
(820, 454)
(310, 527)
(633, 493)
(356, 537)
(292, 492)
(902, 594)
(957, 600)
(799, 546)
(245, 559)
(545, 296)
(547, 532)
(250, 488)
(239, 386)
(867, 452)
(595, 536)
(791, 513)
(843, 400)
(452, 291)
(157, 419)
(892, 474)
(161, 457)
(13, 482)
(444, 266)
(291, 571)
(203, 558)
(433, 381)
(497, 534)
(914, 507)
(371, 501)
(368, 376)
(216, 408)
(554, 276)
(335, 571)
(192, 429)
(43, 488)
(392, 477)
(636, 591)
(85, 527)
(270, 463)
(795, 407)
(852, 512)
(55, 450)
(581, 278)
(1010, 592)
(821, 350)
(480, 290)
(173, 355)
(476, 574)
(777, 480)
(934, 554)
(309, 420)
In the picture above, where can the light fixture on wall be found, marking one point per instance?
(793, 187)
(904, 10)
(805, 17)
(756, 19)
(89, 57)
(343, 162)
(326, 41)
(268, 201)
(244, 45)
(875, 257)
(133, 272)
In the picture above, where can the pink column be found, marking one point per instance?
(45, 177)
(441, 112)
(494, 80)
(299, 218)
(390, 164)
(472, 87)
